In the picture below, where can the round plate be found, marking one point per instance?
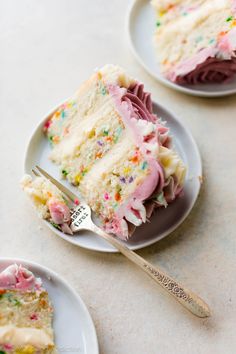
(141, 26)
(80, 337)
(163, 220)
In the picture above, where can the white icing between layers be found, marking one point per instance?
(21, 336)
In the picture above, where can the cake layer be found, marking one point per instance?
(18, 308)
(190, 32)
(89, 140)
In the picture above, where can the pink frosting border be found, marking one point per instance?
(16, 277)
(147, 187)
(225, 48)
(156, 175)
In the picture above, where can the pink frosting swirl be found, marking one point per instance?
(19, 278)
(213, 70)
(135, 104)
(214, 64)
(60, 215)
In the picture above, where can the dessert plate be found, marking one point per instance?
(80, 335)
(140, 27)
(164, 221)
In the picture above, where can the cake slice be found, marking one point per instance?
(195, 40)
(25, 313)
(49, 202)
(107, 141)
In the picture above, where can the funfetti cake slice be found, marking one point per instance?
(107, 142)
(25, 314)
(48, 201)
(195, 40)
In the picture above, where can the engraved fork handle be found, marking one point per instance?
(187, 298)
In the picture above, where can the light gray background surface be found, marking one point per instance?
(47, 48)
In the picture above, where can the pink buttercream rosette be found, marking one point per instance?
(216, 64)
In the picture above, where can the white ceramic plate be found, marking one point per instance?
(163, 221)
(79, 337)
(141, 26)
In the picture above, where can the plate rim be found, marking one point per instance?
(61, 279)
(162, 79)
(111, 249)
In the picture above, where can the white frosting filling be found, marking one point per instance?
(17, 336)
(172, 164)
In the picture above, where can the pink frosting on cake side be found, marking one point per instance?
(133, 105)
(213, 64)
(129, 117)
(135, 202)
(213, 70)
(60, 215)
(17, 277)
(190, 64)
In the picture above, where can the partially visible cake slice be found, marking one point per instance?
(25, 313)
(107, 141)
(49, 202)
(195, 40)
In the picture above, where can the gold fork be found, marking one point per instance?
(81, 220)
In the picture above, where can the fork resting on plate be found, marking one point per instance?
(82, 220)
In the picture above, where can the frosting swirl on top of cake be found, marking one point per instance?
(19, 278)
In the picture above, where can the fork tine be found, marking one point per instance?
(60, 186)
